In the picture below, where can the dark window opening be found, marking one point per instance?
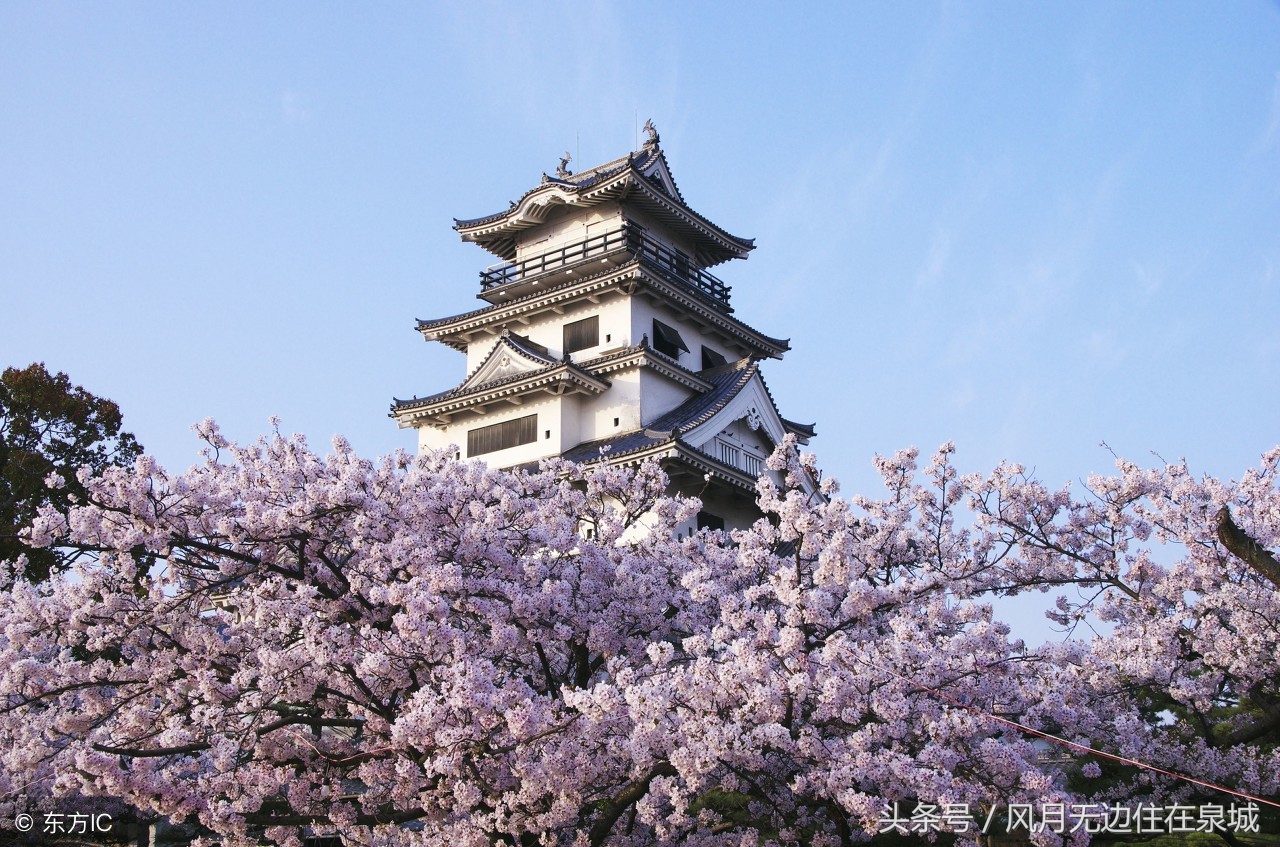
(582, 334)
(706, 520)
(615, 421)
(712, 359)
(500, 436)
(548, 433)
(667, 341)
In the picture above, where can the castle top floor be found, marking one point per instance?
(629, 208)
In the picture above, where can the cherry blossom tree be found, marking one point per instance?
(1190, 670)
(422, 651)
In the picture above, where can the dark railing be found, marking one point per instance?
(630, 238)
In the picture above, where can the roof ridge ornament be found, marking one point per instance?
(652, 140)
(563, 171)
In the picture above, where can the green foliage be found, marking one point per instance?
(48, 425)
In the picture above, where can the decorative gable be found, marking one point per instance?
(512, 355)
(748, 419)
(659, 175)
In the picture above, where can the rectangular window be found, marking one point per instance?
(706, 520)
(500, 436)
(667, 341)
(711, 359)
(582, 334)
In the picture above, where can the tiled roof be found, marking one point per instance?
(637, 163)
(640, 160)
(727, 381)
(512, 342)
(735, 324)
(804, 430)
(618, 445)
(427, 324)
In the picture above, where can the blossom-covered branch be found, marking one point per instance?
(423, 651)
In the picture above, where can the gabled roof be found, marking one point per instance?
(666, 437)
(517, 366)
(642, 178)
(513, 355)
(726, 381)
(514, 368)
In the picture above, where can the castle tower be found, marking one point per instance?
(604, 338)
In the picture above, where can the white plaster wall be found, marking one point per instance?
(643, 312)
(566, 225)
(620, 402)
(479, 347)
(434, 438)
(659, 395)
(736, 507)
(550, 417)
(615, 327)
(567, 432)
(547, 329)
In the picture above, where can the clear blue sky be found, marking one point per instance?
(1024, 227)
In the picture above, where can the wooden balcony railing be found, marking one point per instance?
(629, 238)
(733, 455)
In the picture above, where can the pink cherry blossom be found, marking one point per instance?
(422, 651)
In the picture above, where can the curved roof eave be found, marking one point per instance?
(495, 232)
(463, 395)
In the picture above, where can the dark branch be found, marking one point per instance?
(626, 798)
(1246, 549)
(151, 754)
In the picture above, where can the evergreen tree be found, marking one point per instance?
(49, 430)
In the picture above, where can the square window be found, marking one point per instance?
(580, 335)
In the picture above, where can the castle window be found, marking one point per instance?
(582, 334)
(712, 359)
(706, 520)
(667, 341)
(500, 436)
